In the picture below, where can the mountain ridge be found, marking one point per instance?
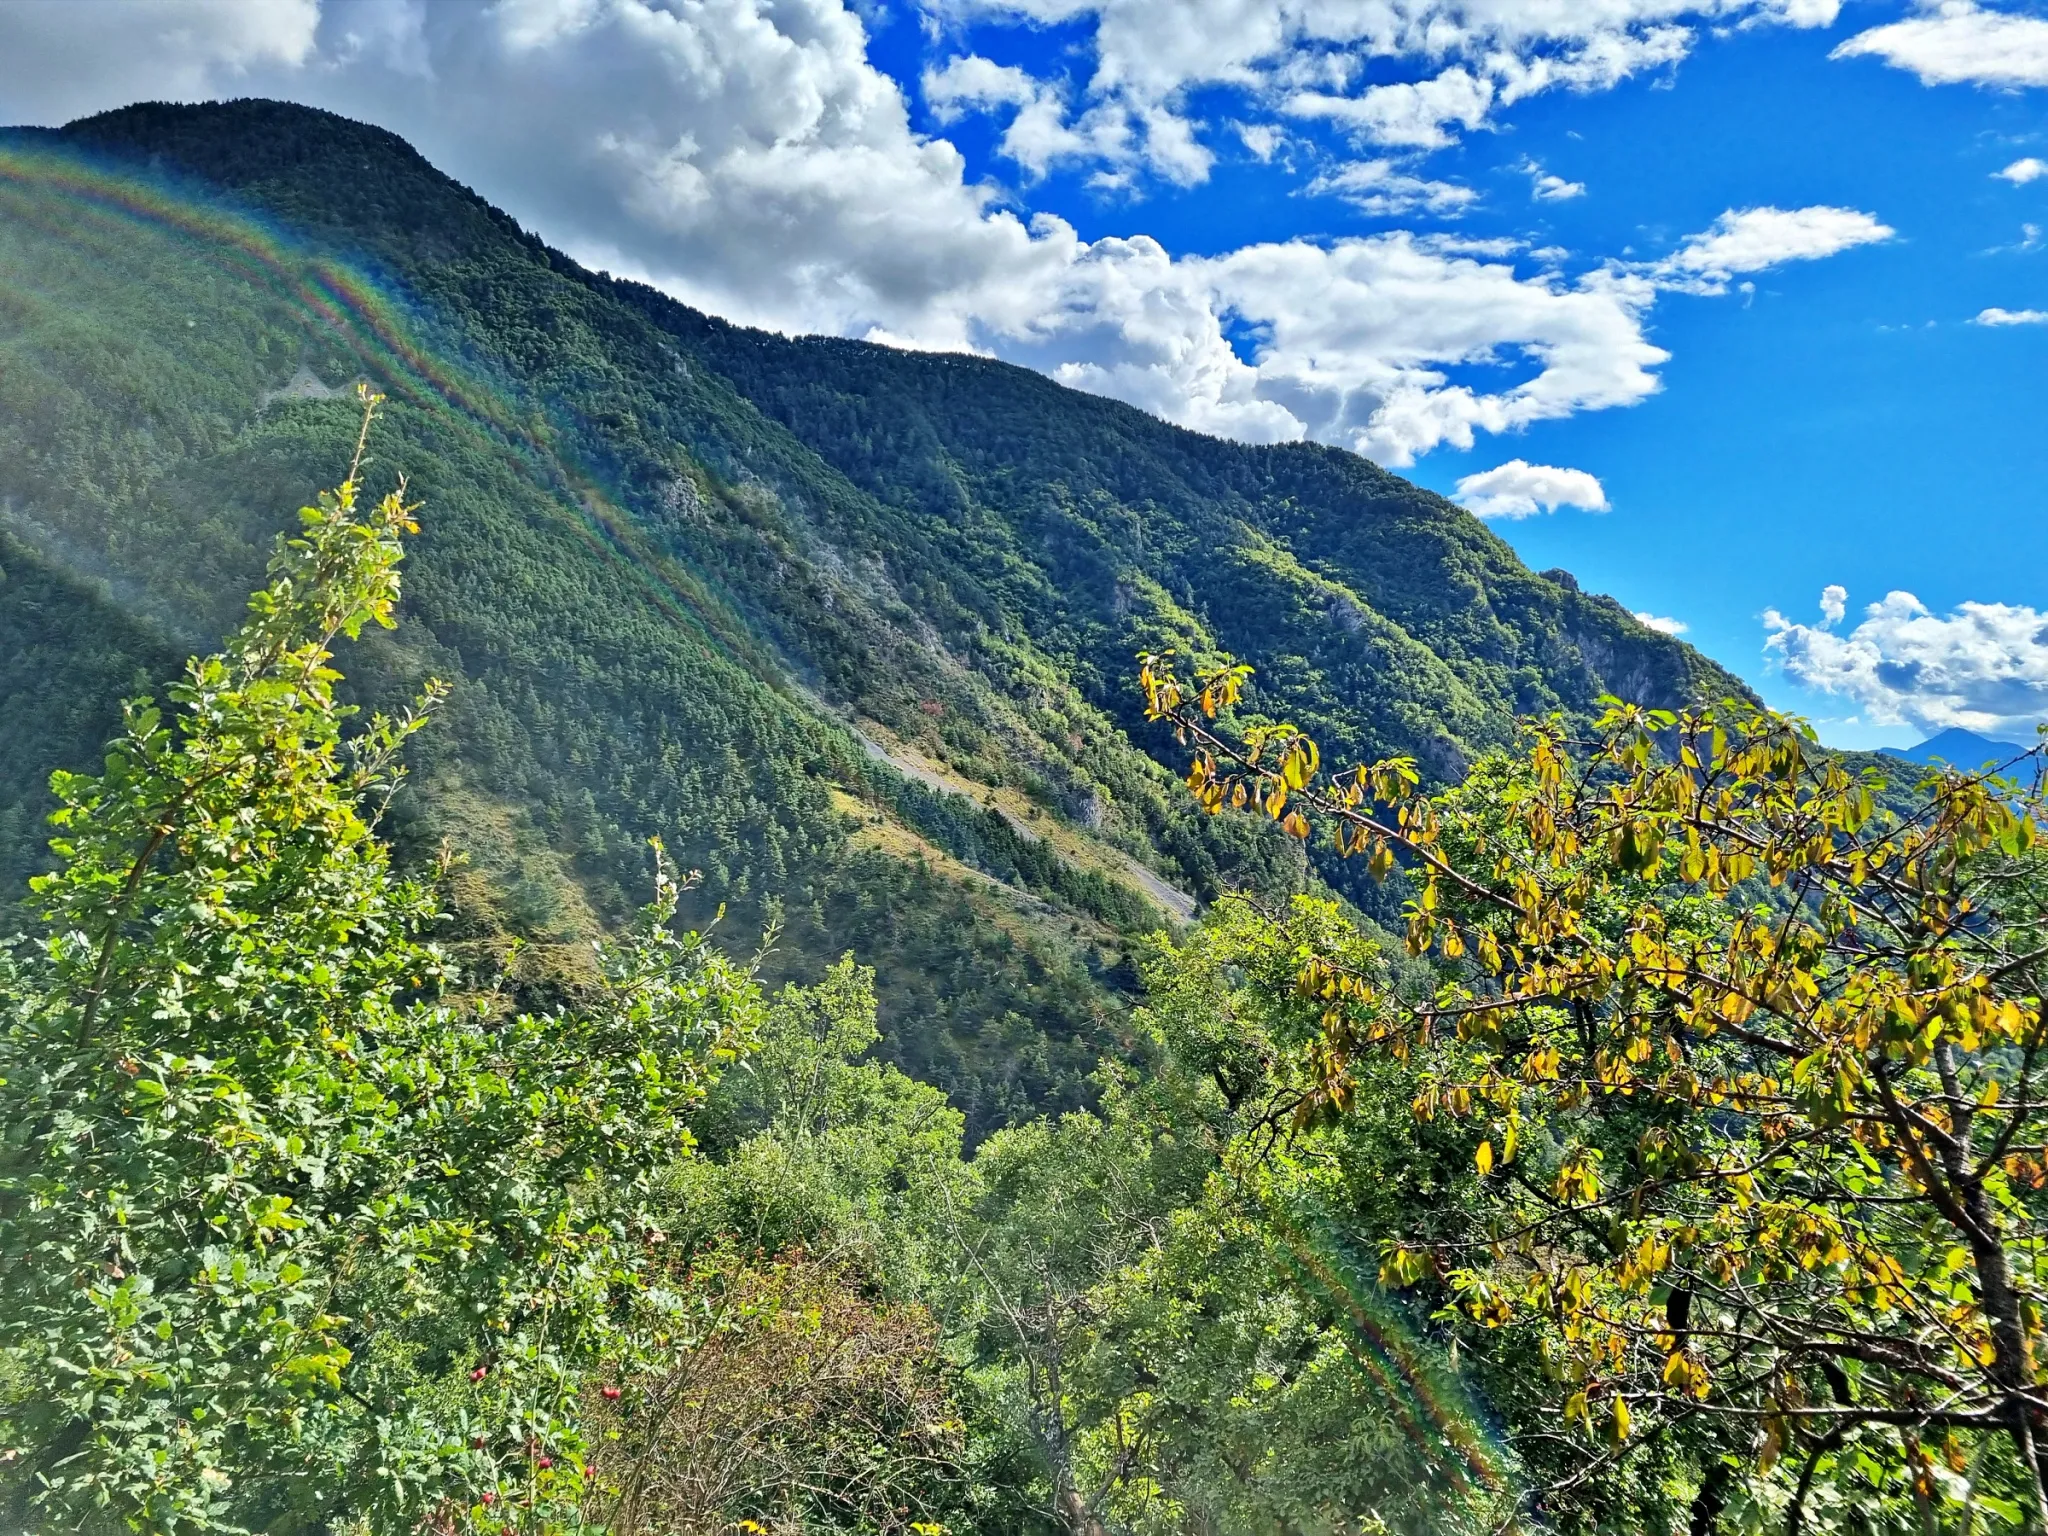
(1959, 748)
(677, 568)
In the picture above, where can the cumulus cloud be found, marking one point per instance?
(1380, 188)
(1354, 342)
(1755, 239)
(1040, 134)
(1263, 140)
(1983, 667)
(1545, 187)
(1043, 133)
(1521, 489)
(972, 81)
(1359, 340)
(2020, 172)
(1663, 626)
(1997, 316)
(1834, 603)
(1467, 59)
(1417, 114)
(1957, 42)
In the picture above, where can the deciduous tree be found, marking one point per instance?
(1750, 1052)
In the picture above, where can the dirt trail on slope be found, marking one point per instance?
(1014, 809)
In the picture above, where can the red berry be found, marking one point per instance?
(490, 1497)
(478, 1373)
(544, 1463)
(610, 1394)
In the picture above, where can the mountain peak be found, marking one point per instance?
(1959, 748)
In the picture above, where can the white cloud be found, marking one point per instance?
(1408, 114)
(2028, 242)
(1468, 58)
(972, 81)
(1602, 61)
(1834, 603)
(1262, 139)
(1041, 135)
(1549, 188)
(1983, 666)
(1379, 188)
(1521, 489)
(1754, 239)
(1358, 340)
(1997, 316)
(1957, 42)
(1353, 342)
(60, 59)
(2020, 172)
(1470, 245)
(1663, 626)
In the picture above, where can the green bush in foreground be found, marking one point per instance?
(290, 1223)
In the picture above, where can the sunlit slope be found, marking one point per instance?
(674, 567)
(604, 691)
(1389, 617)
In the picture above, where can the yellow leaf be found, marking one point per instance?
(1484, 1158)
(1576, 1411)
(1294, 767)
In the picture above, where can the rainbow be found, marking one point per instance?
(103, 203)
(72, 198)
(1435, 1410)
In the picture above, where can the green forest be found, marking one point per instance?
(674, 567)
(778, 936)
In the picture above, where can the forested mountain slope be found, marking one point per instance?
(773, 600)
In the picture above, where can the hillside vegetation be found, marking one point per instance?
(1682, 1169)
(678, 570)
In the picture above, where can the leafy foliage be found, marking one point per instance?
(308, 1230)
(1151, 1291)
(267, 1173)
(1750, 1068)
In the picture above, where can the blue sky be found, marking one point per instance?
(1742, 305)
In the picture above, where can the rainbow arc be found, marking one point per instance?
(1439, 1416)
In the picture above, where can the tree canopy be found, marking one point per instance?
(1748, 1052)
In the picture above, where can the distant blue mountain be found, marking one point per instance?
(1959, 748)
